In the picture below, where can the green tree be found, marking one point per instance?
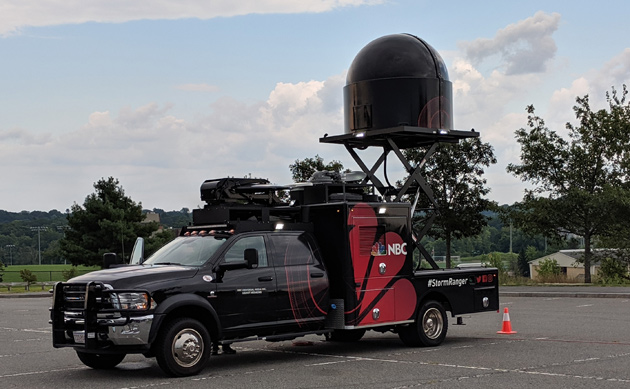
(302, 170)
(522, 263)
(108, 222)
(580, 184)
(524, 256)
(1, 270)
(613, 270)
(455, 175)
(28, 277)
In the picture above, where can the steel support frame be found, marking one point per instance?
(414, 176)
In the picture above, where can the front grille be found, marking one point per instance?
(89, 309)
(74, 296)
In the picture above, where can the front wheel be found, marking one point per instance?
(183, 347)
(429, 328)
(100, 361)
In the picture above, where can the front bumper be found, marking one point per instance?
(84, 316)
(135, 332)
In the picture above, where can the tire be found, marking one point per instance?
(183, 347)
(429, 328)
(100, 361)
(346, 335)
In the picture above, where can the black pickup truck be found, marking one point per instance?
(333, 263)
(338, 259)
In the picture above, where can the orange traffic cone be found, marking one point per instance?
(507, 327)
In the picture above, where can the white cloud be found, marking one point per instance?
(161, 159)
(18, 14)
(20, 136)
(494, 104)
(481, 101)
(486, 102)
(524, 47)
(595, 83)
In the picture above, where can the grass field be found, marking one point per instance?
(44, 273)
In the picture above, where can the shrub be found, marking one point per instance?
(495, 260)
(70, 273)
(549, 270)
(28, 277)
(612, 271)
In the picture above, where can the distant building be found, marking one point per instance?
(151, 217)
(568, 262)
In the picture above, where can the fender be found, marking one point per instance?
(437, 296)
(184, 300)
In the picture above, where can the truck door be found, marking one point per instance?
(243, 294)
(303, 284)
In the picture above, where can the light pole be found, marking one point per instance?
(63, 229)
(10, 247)
(39, 229)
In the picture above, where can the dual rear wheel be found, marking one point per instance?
(429, 328)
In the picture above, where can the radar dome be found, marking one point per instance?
(397, 80)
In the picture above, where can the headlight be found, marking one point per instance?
(130, 300)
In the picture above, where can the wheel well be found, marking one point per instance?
(197, 313)
(439, 297)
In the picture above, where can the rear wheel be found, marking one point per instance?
(429, 328)
(183, 347)
(100, 361)
(346, 335)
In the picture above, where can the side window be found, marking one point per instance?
(236, 253)
(291, 250)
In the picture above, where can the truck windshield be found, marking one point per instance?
(187, 251)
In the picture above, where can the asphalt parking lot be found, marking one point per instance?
(561, 341)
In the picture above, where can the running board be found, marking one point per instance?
(277, 338)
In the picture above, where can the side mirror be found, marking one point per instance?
(251, 258)
(110, 260)
(137, 254)
(232, 265)
(250, 262)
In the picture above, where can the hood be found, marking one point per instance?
(137, 276)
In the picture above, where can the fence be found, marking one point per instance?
(23, 286)
(42, 276)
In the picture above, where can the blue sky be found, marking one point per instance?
(165, 95)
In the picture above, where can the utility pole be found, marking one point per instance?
(63, 229)
(10, 247)
(39, 229)
(510, 236)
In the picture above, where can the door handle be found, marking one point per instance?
(317, 275)
(265, 278)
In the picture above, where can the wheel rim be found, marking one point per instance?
(432, 323)
(187, 347)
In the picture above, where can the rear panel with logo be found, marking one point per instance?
(382, 266)
(474, 290)
(365, 247)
